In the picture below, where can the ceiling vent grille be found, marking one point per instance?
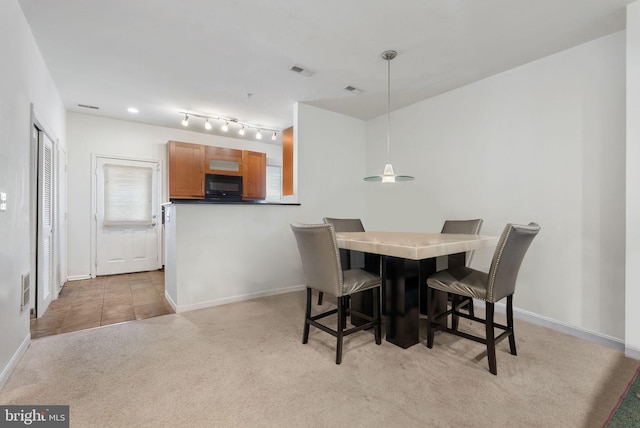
(88, 106)
(300, 70)
(354, 90)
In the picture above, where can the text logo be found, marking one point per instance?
(34, 416)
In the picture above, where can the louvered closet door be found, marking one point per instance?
(46, 264)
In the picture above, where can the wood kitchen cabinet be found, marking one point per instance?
(254, 175)
(186, 170)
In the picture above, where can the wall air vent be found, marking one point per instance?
(88, 106)
(300, 70)
(354, 90)
(25, 289)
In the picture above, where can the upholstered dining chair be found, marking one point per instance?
(498, 283)
(468, 227)
(323, 271)
(343, 225)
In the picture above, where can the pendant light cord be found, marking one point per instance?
(388, 108)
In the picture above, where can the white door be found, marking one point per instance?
(45, 245)
(127, 233)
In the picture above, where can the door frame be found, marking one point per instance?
(94, 214)
(37, 122)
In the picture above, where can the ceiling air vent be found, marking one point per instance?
(354, 90)
(300, 70)
(88, 106)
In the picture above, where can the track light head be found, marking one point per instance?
(225, 127)
(259, 135)
(185, 121)
(207, 125)
(274, 136)
(241, 131)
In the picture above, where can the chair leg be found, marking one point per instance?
(320, 295)
(430, 314)
(512, 336)
(470, 307)
(491, 342)
(454, 317)
(307, 315)
(340, 330)
(376, 315)
(345, 305)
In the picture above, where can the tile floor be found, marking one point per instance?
(102, 301)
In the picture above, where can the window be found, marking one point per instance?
(127, 195)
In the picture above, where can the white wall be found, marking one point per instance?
(543, 142)
(632, 315)
(93, 135)
(24, 79)
(228, 252)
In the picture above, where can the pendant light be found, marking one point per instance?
(388, 175)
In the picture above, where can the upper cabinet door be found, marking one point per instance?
(186, 170)
(219, 160)
(254, 175)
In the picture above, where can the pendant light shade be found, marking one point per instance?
(388, 175)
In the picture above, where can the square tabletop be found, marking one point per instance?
(413, 245)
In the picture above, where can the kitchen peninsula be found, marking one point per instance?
(217, 253)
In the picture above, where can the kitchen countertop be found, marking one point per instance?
(225, 202)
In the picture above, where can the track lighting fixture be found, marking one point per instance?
(209, 123)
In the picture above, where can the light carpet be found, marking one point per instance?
(243, 365)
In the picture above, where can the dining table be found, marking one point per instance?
(405, 260)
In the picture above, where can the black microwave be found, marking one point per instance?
(218, 186)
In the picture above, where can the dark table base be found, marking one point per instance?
(404, 293)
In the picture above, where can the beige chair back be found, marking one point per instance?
(345, 225)
(320, 258)
(512, 246)
(468, 227)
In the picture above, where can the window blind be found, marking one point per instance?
(127, 195)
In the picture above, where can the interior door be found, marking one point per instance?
(45, 246)
(127, 233)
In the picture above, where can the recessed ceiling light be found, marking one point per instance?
(133, 110)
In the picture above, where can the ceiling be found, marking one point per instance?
(233, 57)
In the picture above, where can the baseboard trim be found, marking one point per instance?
(632, 352)
(78, 277)
(170, 300)
(233, 299)
(13, 362)
(556, 325)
